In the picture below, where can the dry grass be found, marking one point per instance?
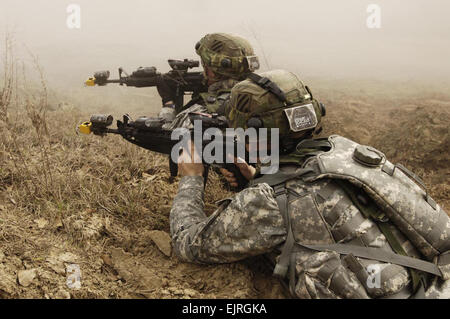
(95, 198)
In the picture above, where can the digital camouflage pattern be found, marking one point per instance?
(227, 55)
(320, 211)
(402, 200)
(229, 234)
(323, 213)
(250, 100)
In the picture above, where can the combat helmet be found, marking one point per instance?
(227, 55)
(275, 99)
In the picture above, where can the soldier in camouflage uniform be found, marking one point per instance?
(226, 59)
(337, 220)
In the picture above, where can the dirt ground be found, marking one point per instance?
(103, 205)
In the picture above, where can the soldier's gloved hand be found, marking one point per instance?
(167, 112)
(166, 91)
(247, 171)
(190, 163)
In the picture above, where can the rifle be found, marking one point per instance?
(178, 80)
(148, 133)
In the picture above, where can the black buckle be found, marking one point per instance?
(279, 190)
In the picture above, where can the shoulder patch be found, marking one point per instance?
(302, 117)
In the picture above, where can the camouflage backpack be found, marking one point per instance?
(386, 199)
(277, 99)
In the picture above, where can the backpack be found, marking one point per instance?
(393, 188)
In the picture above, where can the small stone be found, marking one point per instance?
(175, 291)
(41, 222)
(56, 265)
(62, 294)
(26, 277)
(2, 256)
(165, 292)
(162, 241)
(189, 292)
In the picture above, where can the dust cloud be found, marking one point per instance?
(322, 38)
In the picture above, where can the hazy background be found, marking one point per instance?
(320, 38)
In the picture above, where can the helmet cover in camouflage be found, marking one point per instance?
(249, 101)
(227, 55)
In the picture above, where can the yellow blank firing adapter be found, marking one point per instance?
(85, 128)
(99, 78)
(90, 82)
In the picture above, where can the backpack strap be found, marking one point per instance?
(280, 177)
(268, 85)
(282, 265)
(379, 254)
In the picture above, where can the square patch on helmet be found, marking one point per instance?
(301, 118)
(252, 62)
